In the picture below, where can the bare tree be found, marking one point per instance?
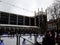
(54, 10)
(55, 13)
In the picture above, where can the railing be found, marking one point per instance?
(17, 39)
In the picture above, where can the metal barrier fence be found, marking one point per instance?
(16, 40)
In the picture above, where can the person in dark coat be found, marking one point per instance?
(58, 39)
(47, 40)
(53, 37)
(37, 43)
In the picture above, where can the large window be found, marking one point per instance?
(4, 18)
(20, 20)
(41, 20)
(37, 21)
(32, 21)
(13, 19)
(26, 20)
(7, 18)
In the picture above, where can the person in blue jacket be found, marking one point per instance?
(1, 42)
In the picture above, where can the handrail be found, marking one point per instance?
(20, 36)
(28, 40)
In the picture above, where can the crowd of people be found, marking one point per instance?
(50, 38)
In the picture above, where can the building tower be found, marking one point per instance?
(41, 20)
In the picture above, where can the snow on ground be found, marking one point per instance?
(12, 41)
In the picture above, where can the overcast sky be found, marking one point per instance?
(16, 6)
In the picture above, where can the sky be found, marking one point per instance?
(24, 7)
